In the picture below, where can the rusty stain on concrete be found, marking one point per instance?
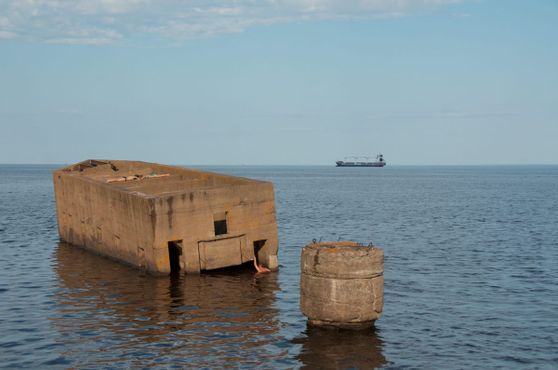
(164, 217)
(169, 214)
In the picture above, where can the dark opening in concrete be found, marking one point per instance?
(247, 267)
(220, 227)
(258, 245)
(175, 251)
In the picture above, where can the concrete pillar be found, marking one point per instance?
(342, 284)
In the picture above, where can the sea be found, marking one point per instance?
(471, 278)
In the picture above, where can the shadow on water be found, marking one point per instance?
(330, 348)
(112, 314)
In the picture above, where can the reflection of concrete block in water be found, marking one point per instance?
(342, 284)
(165, 218)
(192, 321)
(333, 348)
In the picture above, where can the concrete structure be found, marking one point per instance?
(342, 284)
(163, 218)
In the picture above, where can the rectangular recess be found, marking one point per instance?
(220, 223)
(221, 253)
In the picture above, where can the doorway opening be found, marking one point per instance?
(258, 245)
(175, 251)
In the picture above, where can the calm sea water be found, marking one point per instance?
(471, 278)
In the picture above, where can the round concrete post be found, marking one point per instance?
(342, 284)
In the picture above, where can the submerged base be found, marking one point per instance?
(342, 325)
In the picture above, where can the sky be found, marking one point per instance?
(279, 82)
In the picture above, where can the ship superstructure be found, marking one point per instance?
(362, 162)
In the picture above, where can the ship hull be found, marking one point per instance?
(360, 164)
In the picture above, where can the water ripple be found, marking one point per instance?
(470, 282)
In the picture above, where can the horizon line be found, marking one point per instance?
(302, 165)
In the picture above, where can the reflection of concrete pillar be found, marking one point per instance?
(332, 348)
(342, 284)
(122, 307)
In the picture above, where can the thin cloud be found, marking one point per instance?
(101, 22)
(445, 115)
(7, 35)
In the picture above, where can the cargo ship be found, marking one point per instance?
(380, 162)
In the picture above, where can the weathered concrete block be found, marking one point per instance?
(164, 218)
(342, 284)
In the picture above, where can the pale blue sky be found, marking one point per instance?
(279, 82)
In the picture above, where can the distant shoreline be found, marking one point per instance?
(309, 165)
